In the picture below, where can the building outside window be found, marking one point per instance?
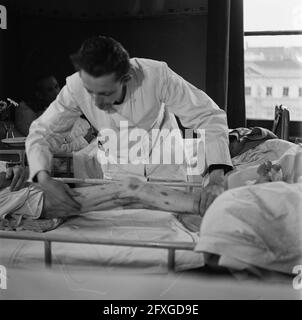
(273, 57)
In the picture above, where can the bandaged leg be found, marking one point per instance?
(30, 203)
(132, 193)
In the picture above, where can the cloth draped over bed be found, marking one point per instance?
(255, 226)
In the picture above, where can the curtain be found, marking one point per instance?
(225, 59)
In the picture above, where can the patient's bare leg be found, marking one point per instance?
(133, 193)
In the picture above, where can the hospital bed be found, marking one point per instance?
(179, 248)
(49, 239)
(184, 240)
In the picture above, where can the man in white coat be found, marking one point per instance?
(123, 96)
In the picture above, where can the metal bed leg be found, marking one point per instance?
(47, 254)
(171, 260)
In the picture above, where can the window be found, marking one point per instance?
(285, 91)
(269, 91)
(273, 57)
(248, 91)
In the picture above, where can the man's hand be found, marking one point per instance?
(59, 199)
(18, 175)
(215, 187)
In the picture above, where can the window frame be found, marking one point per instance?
(295, 128)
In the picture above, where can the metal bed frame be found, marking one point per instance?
(48, 239)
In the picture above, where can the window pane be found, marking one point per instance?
(273, 71)
(269, 91)
(262, 15)
(285, 91)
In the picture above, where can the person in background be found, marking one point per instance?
(37, 96)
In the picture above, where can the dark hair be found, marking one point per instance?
(102, 56)
(40, 77)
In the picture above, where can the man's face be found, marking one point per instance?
(105, 90)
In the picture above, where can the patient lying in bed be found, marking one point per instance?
(29, 202)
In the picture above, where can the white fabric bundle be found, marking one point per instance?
(27, 202)
(255, 226)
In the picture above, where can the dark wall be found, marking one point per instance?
(8, 51)
(178, 40)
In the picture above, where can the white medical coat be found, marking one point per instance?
(154, 93)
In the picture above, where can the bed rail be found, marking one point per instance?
(48, 239)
